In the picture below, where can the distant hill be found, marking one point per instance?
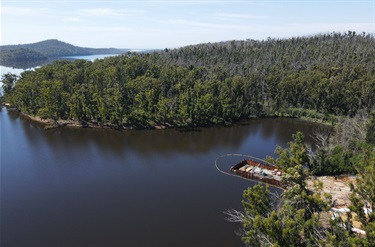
(43, 50)
(57, 48)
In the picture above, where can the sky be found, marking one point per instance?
(170, 24)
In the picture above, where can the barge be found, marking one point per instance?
(257, 171)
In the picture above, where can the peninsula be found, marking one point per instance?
(318, 77)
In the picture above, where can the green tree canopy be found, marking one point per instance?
(217, 83)
(295, 220)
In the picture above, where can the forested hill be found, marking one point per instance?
(56, 48)
(30, 55)
(317, 76)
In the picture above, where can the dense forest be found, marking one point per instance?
(320, 77)
(35, 53)
(22, 58)
(20, 53)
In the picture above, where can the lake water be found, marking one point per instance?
(5, 70)
(90, 187)
(91, 57)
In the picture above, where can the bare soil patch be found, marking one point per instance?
(337, 186)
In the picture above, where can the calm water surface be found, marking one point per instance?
(87, 187)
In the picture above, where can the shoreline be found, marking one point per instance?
(51, 124)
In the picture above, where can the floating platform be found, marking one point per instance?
(257, 171)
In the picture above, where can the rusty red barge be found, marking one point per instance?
(257, 171)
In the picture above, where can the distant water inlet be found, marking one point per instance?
(249, 167)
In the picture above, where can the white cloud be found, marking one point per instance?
(213, 26)
(95, 29)
(238, 16)
(73, 19)
(99, 12)
(108, 12)
(23, 11)
(192, 23)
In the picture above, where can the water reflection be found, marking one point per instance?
(171, 141)
(92, 187)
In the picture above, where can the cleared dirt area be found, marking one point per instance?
(338, 187)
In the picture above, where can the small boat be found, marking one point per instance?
(257, 171)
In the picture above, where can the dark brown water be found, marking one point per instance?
(86, 187)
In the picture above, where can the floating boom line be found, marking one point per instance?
(237, 176)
